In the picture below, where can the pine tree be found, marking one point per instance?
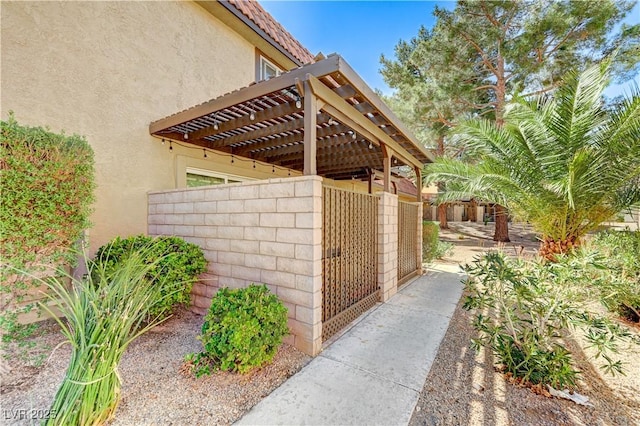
(483, 53)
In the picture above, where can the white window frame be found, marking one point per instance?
(225, 176)
(264, 62)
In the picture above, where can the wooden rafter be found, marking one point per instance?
(332, 142)
(287, 141)
(338, 107)
(260, 116)
(268, 130)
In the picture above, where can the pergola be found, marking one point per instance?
(320, 119)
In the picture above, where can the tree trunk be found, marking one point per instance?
(442, 216)
(473, 210)
(549, 248)
(502, 225)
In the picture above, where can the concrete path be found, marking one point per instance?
(374, 373)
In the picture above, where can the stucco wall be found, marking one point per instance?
(268, 231)
(105, 70)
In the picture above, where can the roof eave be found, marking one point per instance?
(249, 23)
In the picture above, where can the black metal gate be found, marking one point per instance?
(349, 266)
(408, 257)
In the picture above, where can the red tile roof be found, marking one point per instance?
(402, 184)
(252, 10)
(406, 186)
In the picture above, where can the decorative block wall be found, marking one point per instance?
(267, 231)
(388, 245)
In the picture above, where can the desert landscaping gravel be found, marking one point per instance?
(155, 389)
(463, 388)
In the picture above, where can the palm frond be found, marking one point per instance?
(564, 163)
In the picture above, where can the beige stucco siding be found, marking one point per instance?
(105, 70)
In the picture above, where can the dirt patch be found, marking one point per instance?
(463, 387)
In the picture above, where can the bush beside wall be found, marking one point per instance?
(176, 265)
(45, 203)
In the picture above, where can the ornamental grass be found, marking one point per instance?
(104, 314)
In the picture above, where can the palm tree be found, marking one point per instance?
(564, 163)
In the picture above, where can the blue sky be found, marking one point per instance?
(360, 31)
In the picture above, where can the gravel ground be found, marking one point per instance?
(154, 391)
(463, 387)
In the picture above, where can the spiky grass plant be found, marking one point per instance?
(104, 314)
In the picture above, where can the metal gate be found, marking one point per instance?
(408, 256)
(349, 265)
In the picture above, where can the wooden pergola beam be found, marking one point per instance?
(347, 157)
(347, 114)
(354, 165)
(268, 130)
(276, 111)
(376, 102)
(266, 114)
(360, 172)
(279, 143)
(330, 162)
(278, 153)
(324, 67)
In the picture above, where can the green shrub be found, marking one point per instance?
(104, 314)
(176, 265)
(620, 287)
(523, 309)
(432, 247)
(242, 330)
(47, 191)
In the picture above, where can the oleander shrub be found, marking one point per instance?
(242, 330)
(45, 203)
(432, 247)
(175, 266)
(103, 314)
(620, 288)
(524, 309)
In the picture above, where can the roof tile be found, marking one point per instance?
(252, 10)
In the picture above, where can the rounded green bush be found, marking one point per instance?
(175, 266)
(243, 328)
(432, 247)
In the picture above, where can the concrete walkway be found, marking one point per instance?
(374, 373)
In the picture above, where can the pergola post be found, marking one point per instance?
(387, 154)
(310, 137)
(419, 241)
(418, 171)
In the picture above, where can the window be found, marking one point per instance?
(267, 69)
(200, 177)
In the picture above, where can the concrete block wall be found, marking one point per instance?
(267, 231)
(387, 245)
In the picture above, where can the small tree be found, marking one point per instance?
(47, 190)
(563, 163)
